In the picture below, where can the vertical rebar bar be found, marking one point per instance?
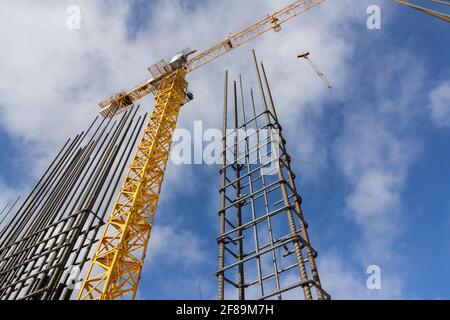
(237, 168)
(221, 241)
(251, 189)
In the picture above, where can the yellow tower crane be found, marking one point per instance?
(115, 269)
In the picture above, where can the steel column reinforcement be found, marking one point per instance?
(45, 246)
(264, 246)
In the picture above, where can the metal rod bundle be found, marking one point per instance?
(264, 247)
(45, 246)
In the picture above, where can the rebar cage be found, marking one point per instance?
(264, 247)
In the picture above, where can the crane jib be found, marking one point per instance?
(124, 100)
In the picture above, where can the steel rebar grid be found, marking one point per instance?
(264, 247)
(58, 224)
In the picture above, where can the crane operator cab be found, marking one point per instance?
(181, 59)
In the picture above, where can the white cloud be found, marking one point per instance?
(374, 192)
(375, 162)
(173, 248)
(54, 77)
(173, 245)
(344, 282)
(375, 151)
(440, 105)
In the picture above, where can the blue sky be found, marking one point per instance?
(371, 154)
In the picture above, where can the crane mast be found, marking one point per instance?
(116, 266)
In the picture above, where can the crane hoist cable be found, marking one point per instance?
(305, 56)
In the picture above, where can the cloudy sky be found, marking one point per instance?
(371, 154)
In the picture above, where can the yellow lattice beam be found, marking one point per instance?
(116, 267)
